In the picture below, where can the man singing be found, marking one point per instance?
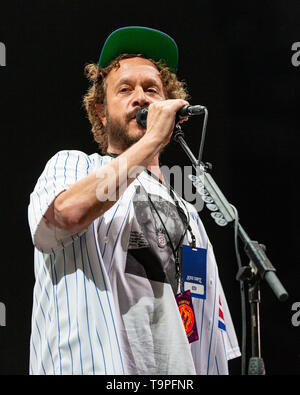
(126, 279)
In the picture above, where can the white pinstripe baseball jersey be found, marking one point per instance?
(103, 301)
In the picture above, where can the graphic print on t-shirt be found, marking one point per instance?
(146, 256)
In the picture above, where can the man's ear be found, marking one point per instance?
(100, 109)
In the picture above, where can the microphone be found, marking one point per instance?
(185, 111)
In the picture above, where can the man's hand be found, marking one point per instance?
(161, 119)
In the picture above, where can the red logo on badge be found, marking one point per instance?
(186, 311)
(187, 317)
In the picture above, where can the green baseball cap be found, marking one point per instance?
(149, 42)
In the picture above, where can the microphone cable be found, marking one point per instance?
(242, 292)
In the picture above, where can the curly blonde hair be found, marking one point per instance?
(96, 93)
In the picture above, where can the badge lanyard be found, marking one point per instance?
(185, 220)
(183, 298)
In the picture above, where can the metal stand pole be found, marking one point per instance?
(256, 364)
(260, 267)
(249, 275)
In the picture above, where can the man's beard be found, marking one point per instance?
(118, 132)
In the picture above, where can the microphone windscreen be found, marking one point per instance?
(141, 117)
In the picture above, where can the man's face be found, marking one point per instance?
(132, 86)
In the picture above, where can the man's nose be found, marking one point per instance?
(140, 98)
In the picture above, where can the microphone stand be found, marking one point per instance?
(260, 268)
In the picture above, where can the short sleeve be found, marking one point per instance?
(61, 171)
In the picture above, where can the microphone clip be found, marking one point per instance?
(178, 132)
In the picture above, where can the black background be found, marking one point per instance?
(236, 59)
